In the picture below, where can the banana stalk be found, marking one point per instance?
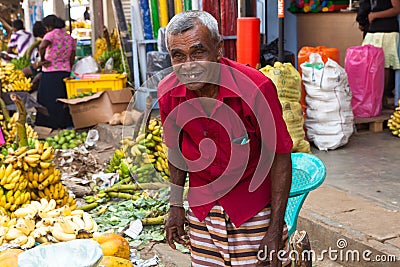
(122, 195)
(89, 206)
(21, 129)
(134, 187)
(154, 221)
(4, 110)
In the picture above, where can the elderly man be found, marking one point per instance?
(223, 127)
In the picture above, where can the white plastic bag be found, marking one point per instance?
(74, 253)
(86, 65)
(329, 120)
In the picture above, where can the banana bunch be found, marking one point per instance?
(13, 193)
(32, 171)
(394, 122)
(22, 84)
(145, 157)
(101, 47)
(10, 129)
(114, 39)
(40, 221)
(13, 79)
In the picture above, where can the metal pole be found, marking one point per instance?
(281, 15)
(69, 17)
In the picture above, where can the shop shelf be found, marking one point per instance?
(94, 83)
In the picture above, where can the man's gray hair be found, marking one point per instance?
(188, 19)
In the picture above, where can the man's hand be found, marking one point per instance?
(174, 226)
(44, 63)
(271, 244)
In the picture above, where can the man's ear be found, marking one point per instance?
(219, 47)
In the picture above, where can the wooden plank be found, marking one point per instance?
(372, 124)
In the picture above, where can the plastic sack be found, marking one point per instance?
(293, 117)
(288, 85)
(74, 253)
(365, 68)
(286, 79)
(303, 56)
(86, 65)
(329, 120)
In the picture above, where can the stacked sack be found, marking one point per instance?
(288, 84)
(329, 121)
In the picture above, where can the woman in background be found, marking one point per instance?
(383, 31)
(57, 53)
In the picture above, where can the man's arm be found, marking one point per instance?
(176, 218)
(391, 12)
(281, 179)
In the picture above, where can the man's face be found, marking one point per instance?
(191, 53)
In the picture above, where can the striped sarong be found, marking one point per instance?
(217, 242)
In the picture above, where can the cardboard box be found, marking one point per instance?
(98, 108)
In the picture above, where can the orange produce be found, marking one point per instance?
(9, 257)
(110, 261)
(113, 245)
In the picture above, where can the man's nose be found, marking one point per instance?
(188, 64)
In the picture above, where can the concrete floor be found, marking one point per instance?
(368, 167)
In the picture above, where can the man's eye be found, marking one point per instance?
(198, 54)
(178, 57)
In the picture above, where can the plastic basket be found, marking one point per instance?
(95, 83)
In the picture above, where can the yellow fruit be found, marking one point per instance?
(9, 257)
(113, 245)
(110, 261)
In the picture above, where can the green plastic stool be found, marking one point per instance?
(308, 173)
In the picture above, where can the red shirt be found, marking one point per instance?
(229, 153)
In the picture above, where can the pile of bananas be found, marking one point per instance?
(81, 24)
(394, 122)
(101, 44)
(31, 170)
(12, 79)
(144, 158)
(10, 129)
(40, 221)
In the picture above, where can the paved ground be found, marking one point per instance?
(358, 202)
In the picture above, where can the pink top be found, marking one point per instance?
(59, 51)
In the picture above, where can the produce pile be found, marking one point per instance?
(27, 170)
(40, 221)
(12, 79)
(144, 159)
(66, 139)
(394, 122)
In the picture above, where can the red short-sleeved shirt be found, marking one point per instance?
(229, 152)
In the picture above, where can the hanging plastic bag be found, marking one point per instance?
(365, 69)
(329, 120)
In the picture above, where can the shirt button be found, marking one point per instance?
(205, 133)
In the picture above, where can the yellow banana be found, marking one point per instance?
(13, 233)
(29, 243)
(47, 153)
(88, 221)
(20, 240)
(58, 233)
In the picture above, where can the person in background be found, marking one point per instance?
(86, 14)
(20, 40)
(223, 127)
(57, 53)
(362, 15)
(383, 31)
(34, 70)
